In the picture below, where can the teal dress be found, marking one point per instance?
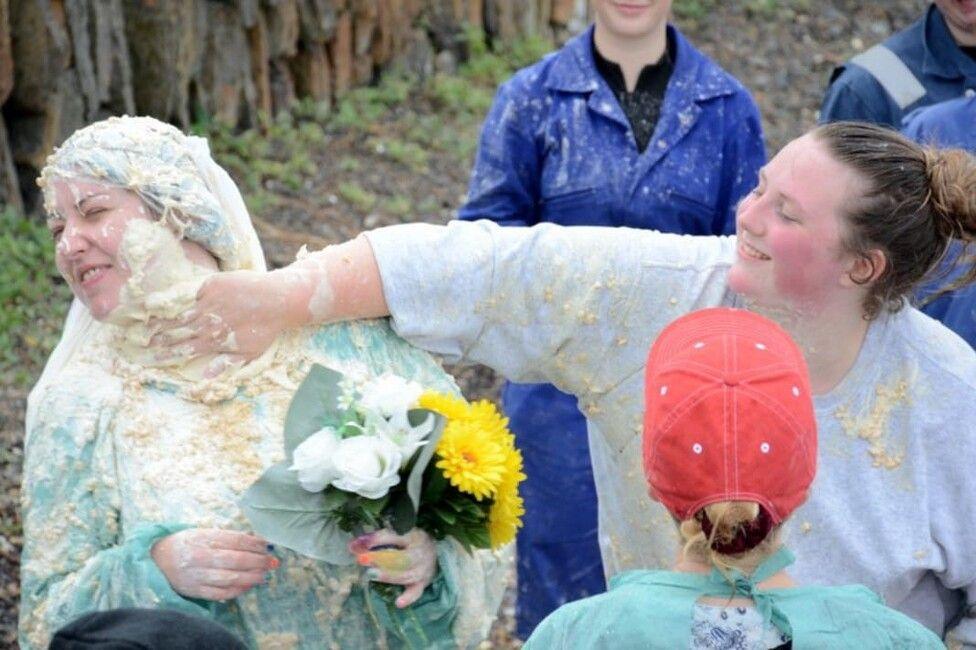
(121, 456)
(655, 609)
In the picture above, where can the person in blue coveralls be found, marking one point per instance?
(931, 61)
(948, 124)
(627, 125)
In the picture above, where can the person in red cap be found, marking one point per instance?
(730, 449)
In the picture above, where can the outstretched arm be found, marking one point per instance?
(239, 314)
(575, 307)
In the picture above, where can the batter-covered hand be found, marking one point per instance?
(211, 563)
(409, 560)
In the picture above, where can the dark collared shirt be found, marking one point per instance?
(643, 106)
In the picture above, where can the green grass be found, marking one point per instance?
(34, 298)
(398, 206)
(763, 8)
(692, 9)
(408, 154)
(354, 194)
(350, 164)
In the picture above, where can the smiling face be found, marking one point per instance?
(631, 18)
(790, 249)
(87, 226)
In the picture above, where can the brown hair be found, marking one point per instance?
(916, 202)
(728, 519)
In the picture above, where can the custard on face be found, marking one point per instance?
(87, 225)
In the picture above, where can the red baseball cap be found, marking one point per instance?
(729, 415)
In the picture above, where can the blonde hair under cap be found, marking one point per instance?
(176, 177)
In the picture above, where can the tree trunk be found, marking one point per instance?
(65, 63)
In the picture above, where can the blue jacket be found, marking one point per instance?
(949, 124)
(557, 147)
(932, 69)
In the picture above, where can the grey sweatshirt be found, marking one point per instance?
(891, 507)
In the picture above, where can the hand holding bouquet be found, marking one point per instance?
(362, 456)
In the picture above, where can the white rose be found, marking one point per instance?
(390, 395)
(367, 465)
(313, 460)
(397, 430)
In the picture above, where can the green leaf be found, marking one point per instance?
(372, 506)
(333, 498)
(401, 513)
(436, 484)
(473, 508)
(446, 516)
(416, 417)
(284, 513)
(314, 406)
(479, 537)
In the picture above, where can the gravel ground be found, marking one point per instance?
(783, 51)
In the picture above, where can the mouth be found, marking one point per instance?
(630, 7)
(89, 275)
(749, 251)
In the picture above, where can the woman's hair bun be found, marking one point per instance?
(952, 186)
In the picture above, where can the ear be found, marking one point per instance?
(865, 269)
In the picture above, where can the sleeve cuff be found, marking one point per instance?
(137, 548)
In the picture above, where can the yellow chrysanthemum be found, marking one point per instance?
(478, 456)
(470, 458)
(489, 416)
(451, 407)
(504, 520)
(505, 515)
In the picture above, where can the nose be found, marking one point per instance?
(749, 216)
(74, 240)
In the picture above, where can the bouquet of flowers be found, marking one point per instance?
(383, 452)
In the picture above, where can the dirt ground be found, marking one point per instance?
(783, 51)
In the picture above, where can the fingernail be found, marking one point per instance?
(275, 563)
(363, 559)
(372, 573)
(271, 548)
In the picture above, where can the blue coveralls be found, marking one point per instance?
(918, 66)
(557, 147)
(949, 124)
